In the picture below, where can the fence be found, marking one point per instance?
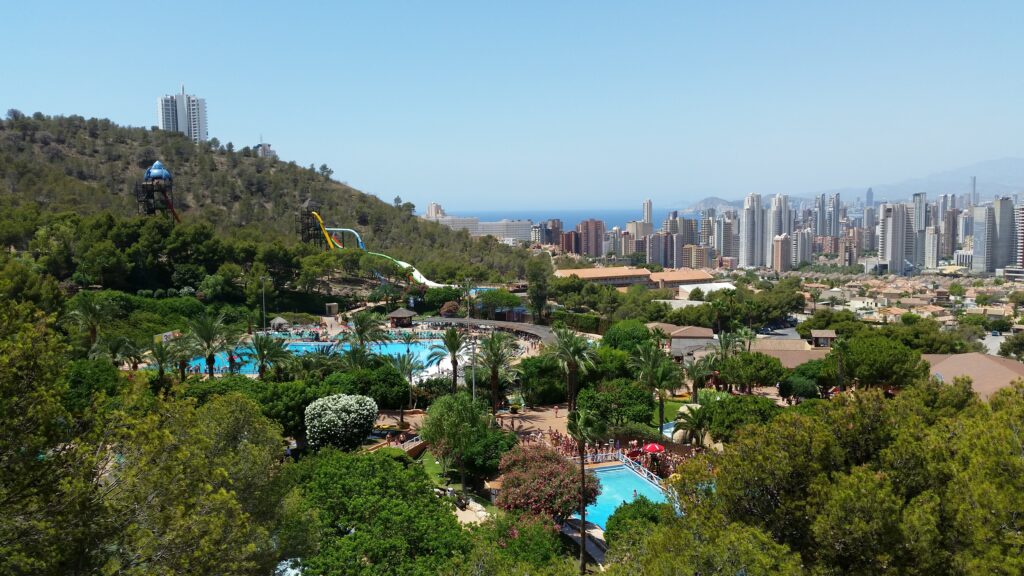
(651, 476)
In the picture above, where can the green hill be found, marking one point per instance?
(53, 165)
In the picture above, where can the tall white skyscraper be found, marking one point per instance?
(752, 232)
(183, 113)
(931, 247)
(894, 229)
(778, 221)
(821, 216)
(835, 212)
(648, 211)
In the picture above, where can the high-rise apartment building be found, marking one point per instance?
(870, 227)
(691, 256)
(183, 113)
(947, 234)
(688, 230)
(821, 216)
(570, 242)
(869, 198)
(640, 229)
(893, 231)
(648, 212)
(1004, 250)
(931, 247)
(752, 232)
(778, 220)
(984, 241)
(782, 257)
(660, 249)
(591, 233)
(1018, 215)
(835, 216)
(803, 241)
(725, 237)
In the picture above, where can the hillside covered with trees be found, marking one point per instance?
(51, 166)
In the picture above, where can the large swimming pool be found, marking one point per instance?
(420, 348)
(618, 485)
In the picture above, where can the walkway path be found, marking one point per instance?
(596, 546)
(543, 332)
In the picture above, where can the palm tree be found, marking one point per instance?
(366, 328)
(574, 355)
(656, 371)
(697, 372)
(89, 312)
(162, 355)
(408, 365)
(452, 345)
(746, 337)
(815, 295)
(182, 351)
(694, 422)
(584, 427)
(266, 350)
(357, 358)
(494, 354)
(134, 354)
(210, 336)
(115, 349)
(408, 338)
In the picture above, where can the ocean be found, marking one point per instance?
(569, 218)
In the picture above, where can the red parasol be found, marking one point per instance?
(633, 454)
(654, 448)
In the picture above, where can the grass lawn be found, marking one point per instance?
(671, 408)
(436, 473)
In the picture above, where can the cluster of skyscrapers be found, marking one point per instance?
(890, 237)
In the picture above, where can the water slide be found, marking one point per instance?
(333, 243)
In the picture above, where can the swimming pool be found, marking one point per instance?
(420, 348)
(618, 484)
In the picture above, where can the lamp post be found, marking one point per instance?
(473, 341)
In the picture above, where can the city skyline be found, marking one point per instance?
(467, 105)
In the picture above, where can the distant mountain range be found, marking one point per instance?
(1002, 177)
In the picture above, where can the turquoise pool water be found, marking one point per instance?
(420, 348)
(617, 486)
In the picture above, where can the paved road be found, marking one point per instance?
(992, 343)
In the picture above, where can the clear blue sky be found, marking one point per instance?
(568, 104)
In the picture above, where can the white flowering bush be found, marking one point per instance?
(342, 421)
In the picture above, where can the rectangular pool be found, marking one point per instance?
(619, 484)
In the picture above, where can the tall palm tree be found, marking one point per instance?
(134, 354)
(656, 371)
(585, 427)
(452, 345)
(210, 336)
(746, 337)
(408, 365)
(89, 313)
(266, 350)
(697, 372)
(366, 328)
(574, 355)
(495, 353)
(162, 355)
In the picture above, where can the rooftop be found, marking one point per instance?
(600, 273)
(681, 275)
(988, 373)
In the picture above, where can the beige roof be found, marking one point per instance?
(603, 273)
(794, 358)
(402, 313)
(823, 333)
(779, 344)
(693, 332)
(664, 326)
(681, 275)
(988, 373)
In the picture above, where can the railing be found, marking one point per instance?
(596, 458)
(650, 476)
(410, 443)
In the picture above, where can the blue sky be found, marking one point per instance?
(498, 105)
